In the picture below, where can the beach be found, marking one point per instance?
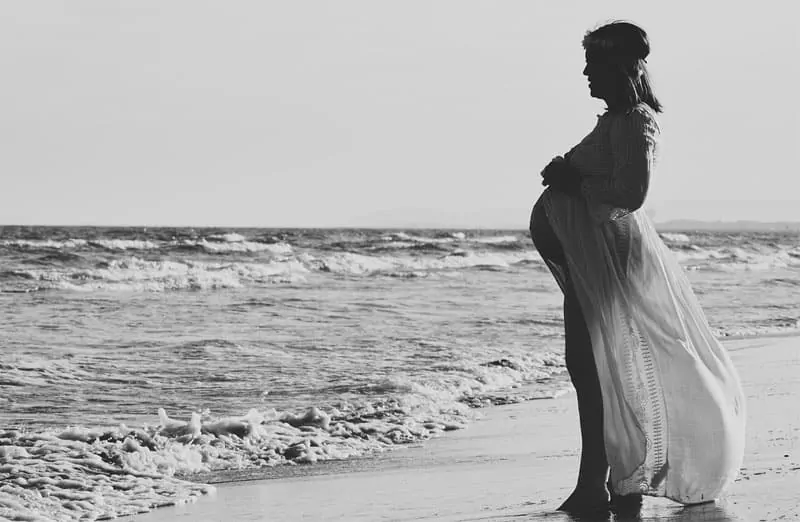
(519, 461)
(328, 374)
(275, 261)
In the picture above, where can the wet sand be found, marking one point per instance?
(519, 461)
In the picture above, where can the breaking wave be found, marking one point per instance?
(136, 274)
(79, 472)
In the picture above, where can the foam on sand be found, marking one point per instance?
(88, 473)
(76, 475)
(520, 463)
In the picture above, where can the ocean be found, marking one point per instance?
(133, 358)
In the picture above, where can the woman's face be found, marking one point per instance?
(602, 76)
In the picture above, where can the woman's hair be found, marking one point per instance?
(625, 45)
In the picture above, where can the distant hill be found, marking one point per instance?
(749, 226)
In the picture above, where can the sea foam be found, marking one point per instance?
(240, 246)
(674, 237)
(124, 244)
(360, 264)
(136, 274)
(80, 473)
(44, 243)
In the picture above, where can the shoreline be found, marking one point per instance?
(521, 460)
(393, 456)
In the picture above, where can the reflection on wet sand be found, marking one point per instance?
(709, 512)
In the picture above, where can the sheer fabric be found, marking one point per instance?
(674, 412)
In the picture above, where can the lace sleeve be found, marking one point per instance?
(633, 146)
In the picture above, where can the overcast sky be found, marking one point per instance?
(375, 113)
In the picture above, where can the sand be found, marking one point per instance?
(519, 462)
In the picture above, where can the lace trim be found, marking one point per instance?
(643, 394)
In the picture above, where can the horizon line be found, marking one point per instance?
(399, 226)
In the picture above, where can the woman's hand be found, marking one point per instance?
(555, 166)
(560, 176)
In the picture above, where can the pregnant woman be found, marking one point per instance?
(659, 401)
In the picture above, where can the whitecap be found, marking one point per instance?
(495, 240)
(45, 243)
(674, 237)
(124, 244)
(241, 247)
(230, 237)
(135, 274)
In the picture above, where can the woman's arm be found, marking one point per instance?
(633, 148)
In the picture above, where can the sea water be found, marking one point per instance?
(134, 358)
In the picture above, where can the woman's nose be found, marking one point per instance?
(586, 71)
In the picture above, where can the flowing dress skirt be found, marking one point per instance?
(673, 407)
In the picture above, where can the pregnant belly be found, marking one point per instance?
(542, 234)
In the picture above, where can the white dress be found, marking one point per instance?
(673, 407)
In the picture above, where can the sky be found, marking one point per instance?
(375, 113)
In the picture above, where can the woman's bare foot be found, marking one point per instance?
(626, 504)
(585, 500)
